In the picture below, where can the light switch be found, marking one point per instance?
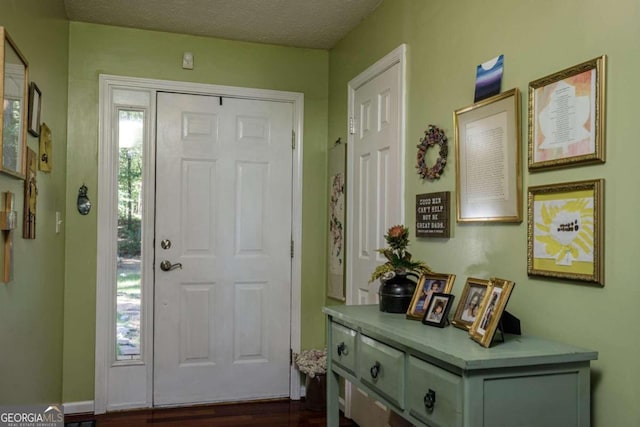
(187, 61)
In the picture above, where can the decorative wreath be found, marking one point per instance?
(432, 136)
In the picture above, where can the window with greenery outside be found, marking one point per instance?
(129, 282)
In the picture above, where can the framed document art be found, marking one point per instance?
(565, 231)
(566, 117)
(488, 158)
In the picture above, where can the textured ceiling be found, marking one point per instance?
(300, 23)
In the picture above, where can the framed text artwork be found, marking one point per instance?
(565, 231)
(567, 116)
(488, 176)
(432, 214)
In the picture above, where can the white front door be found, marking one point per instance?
(377, 197)
(223, 213)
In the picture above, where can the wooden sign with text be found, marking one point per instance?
(432, 214)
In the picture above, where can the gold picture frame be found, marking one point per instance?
(488, 160)
(427, 285)
(469, 304)
(566, 230)
(14, 75)
(493, 304)
(567, 117)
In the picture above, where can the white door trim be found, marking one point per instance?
(106, 252)
(397, 56)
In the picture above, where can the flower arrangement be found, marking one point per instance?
(398, 258)
(311, 362)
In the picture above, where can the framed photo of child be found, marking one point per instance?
(495, 301)
(437, 312)
(469, 304)
(428, 284)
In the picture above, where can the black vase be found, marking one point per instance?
(396, 293)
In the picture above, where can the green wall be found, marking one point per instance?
(97, 49)
(31, 306)
(446, 40)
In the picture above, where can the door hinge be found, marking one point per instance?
(291, 248)
(293, 139)
(290, 357)
(352, 126)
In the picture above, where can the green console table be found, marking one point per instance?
(441, 378)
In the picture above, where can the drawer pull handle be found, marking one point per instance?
(342, 349)
(430, 400)
(375, 370)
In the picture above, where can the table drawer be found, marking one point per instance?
(433, 394)
(343, 347)
(382, 368)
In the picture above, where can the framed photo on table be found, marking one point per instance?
(469, 304)
(437, 312)
(565, 231)
(567, 117)
(493, 304)
(488, 160)
(428, 284)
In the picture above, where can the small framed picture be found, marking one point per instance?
(437, 312)
(495, 300)
(34, 109)
(428, 284)
(469, 304)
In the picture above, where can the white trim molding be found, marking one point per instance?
(135, 379)
(84, 407)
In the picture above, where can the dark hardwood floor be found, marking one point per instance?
(280, 413)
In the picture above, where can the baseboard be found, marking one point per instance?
(85, 407)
